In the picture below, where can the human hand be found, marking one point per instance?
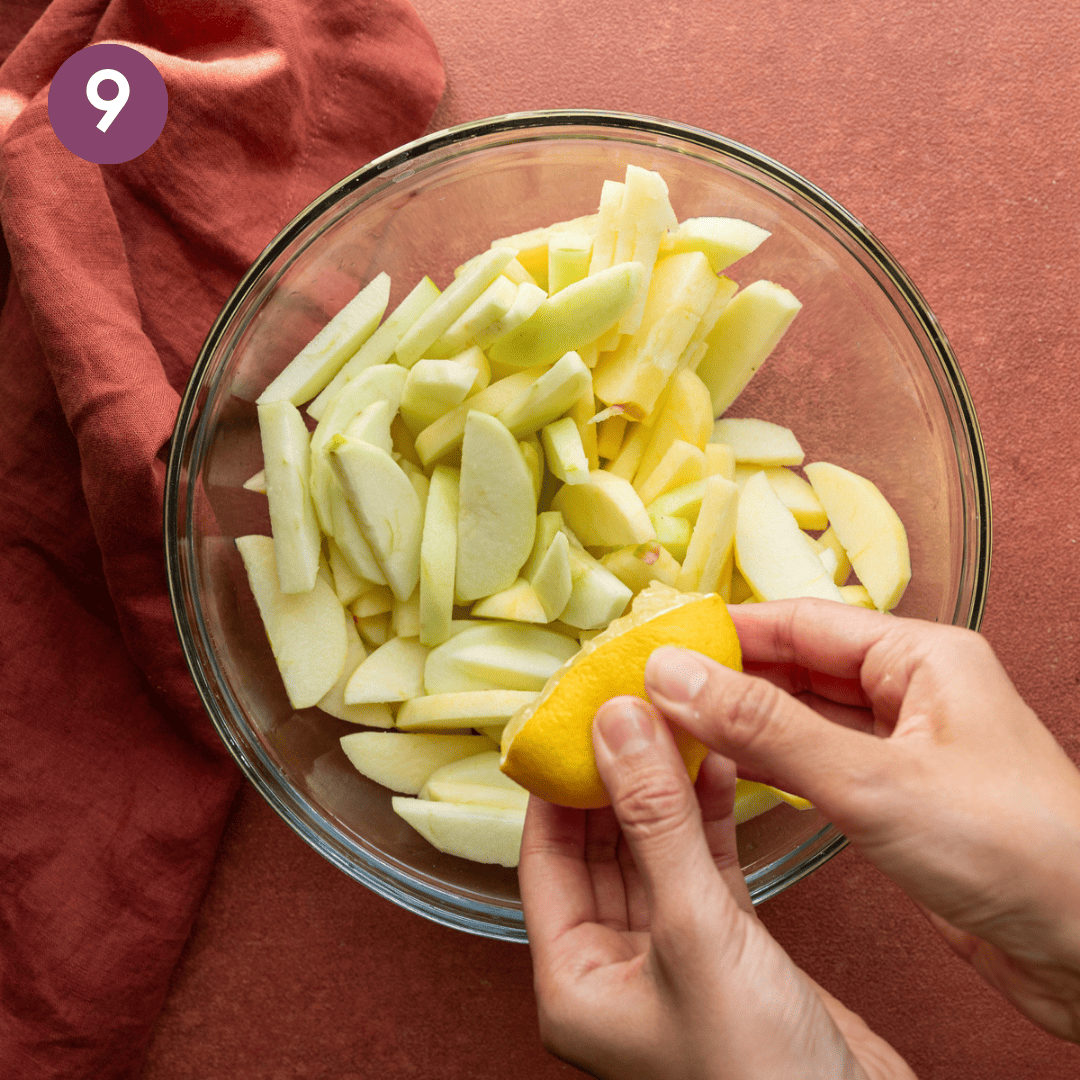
(649, 960)
(963, 798)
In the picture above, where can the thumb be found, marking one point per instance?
(762, 728)
(657, 810)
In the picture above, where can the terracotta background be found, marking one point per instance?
(951, 130)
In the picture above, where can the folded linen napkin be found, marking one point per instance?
(113, 786)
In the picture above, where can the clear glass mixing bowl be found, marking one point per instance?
(865, 377)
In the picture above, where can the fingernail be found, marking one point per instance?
(624, 727)
(677, 674)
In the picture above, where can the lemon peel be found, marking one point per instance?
(547, 744)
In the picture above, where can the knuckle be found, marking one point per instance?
(653, 801)
(747, 707)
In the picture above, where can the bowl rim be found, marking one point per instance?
(827, 842)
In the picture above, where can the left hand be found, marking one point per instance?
(649, 961)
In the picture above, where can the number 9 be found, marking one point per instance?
(111, 108)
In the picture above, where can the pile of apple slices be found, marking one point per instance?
(497, 468)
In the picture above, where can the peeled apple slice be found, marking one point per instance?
(484, 834)
(306, 630)
(474, 708)
(722, 240)
(403, 761)
(321, 359)
(869, 529)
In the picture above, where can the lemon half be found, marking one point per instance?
(547, 744)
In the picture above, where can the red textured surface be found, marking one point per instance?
(950, 131)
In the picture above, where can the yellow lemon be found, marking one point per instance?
(547, 744)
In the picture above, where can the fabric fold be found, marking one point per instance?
(115, 787)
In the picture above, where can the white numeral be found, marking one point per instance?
(112, 107)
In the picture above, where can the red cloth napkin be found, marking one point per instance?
(114, 786)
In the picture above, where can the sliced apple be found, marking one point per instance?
(256, 483)
(445, 435)
(710, 545)
(468, 709)
(374, 601)
(347, 583)
(722, 240)
(405, 616)
(531, 248)
(286, 454)
(771, 550)
(493, 303)
(478, 771)
(748, 330)
(547, 398)
(333, 701)
(686, 414)
(604, 511)
(387, 508)
(552, 580)
(519, 603)
(432, 389)
(759, 442)
(795, 493)
(636, 372)
(673, 534)
(528, 298)
(497, 656)
(683, 464)
(869, 529)
(379, 348)
(403, 761)
(451, 303)
(393, 672)
(347, 535)
(306, 630)
(681, 502)
(720, 460)
(830, 540)
(596, 595)
(573, 317)
(609, 436)
(324, 356)
(484, 834)
(637, 566)
(569, 254)
(372, 426)
(438, 556)
(563, 451)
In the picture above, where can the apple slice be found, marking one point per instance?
(286, 453)
(573, 317)
(771, 550)
(493, 303)
(563, 451)
(306, 630)
(438, 556)
(348, 585)
(256, 483)
(496, 656)
(548, 525)
(703, 568)
(552, 580)
(644, 217)
(374, 601)
(722, 240)
(403, 761)
(529, 297)
(547, 398)
(446, 433)
(637, 566)
(393, 672)
(748, 330)
(405, 616)
(686, 415)
(569, 254)
(635, 373)
(348, 537)
(375, 629)
(759, 442)
(333, 701)
(531, 248)
(607, 226)
(683, 464)
(609, 436)
(869, 529)
(604, 511)
(596, 595)
(465, 709)
(451, 304)
(475, 780)
(496, 512)
(379, 348)
(720, 460)
(673, 534)
(388, 510)
(830, 540)
(372, 426)
(635, 443)
(795, 493)
(519, 603)
(681, 502)
(324, 356)
(432, 389)
(484, 834)
(856, 595)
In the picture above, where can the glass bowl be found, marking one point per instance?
(865, 377)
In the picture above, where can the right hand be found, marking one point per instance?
(912, 739)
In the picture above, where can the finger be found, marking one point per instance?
(797, 680)
(715, 790)
(602, 836)
(556, 887)
(656, 807)
(764, 729)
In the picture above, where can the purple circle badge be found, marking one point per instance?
(108, 103)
